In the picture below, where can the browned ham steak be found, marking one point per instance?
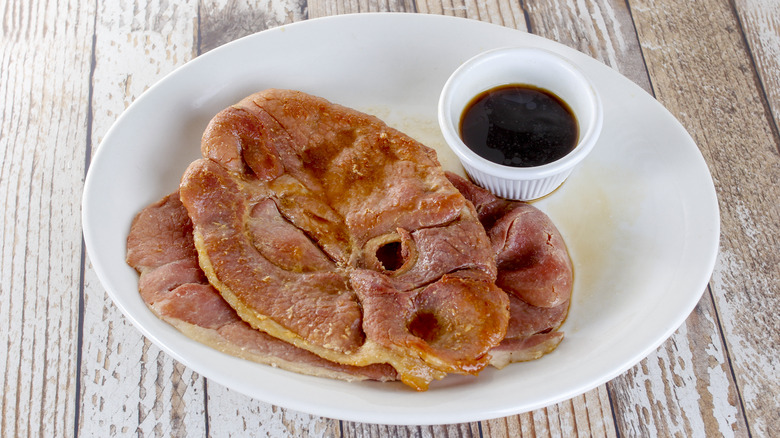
(339, 248)
(534, 268)
(390, 263)
(160, 246)
(532, 259)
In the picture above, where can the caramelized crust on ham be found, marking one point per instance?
(386, 239)
(160, 246)
(317, 239)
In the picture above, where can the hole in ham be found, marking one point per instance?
(425, 326)
(390, 255)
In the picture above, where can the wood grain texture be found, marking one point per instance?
(44, 92)
(222, 21)
(501, 12)
(686, 388)
(233, 414)
(702, 71)
(670, 379)
(602, 29)
(324, 8)
(588, 414)
(128, 385)
(364, 430)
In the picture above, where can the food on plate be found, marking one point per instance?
(334, 245)
(531, 256)
(534, 269)
(350, 189)
(160, 246)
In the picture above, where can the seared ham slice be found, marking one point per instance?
(534, 268)
(369, 198)
(315, 238)
(531, 255)
(160, 246)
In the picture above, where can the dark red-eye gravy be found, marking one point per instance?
(519, 126)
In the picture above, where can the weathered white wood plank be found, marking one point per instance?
(760, 21)
(502, 12)
(44, 68)
(646, 397)
(588, 414)
(222, 21)
(129, 387)
(697, 397)
(602, 29)
(324, 8)
(233, 414)
(365, 430)
(702, 71)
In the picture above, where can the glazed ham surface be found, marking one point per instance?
(334, 245)
(160, 246)
(400, 270)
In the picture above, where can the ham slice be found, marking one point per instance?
(534, 268)
(367, 198)
(315, 238)
(160, 246)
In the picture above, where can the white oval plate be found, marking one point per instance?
(640, 216)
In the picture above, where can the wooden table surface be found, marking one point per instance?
(73, 364)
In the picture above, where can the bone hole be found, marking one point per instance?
(390, 256)
(425, 326)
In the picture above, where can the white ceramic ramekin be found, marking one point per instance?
(528, 66)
